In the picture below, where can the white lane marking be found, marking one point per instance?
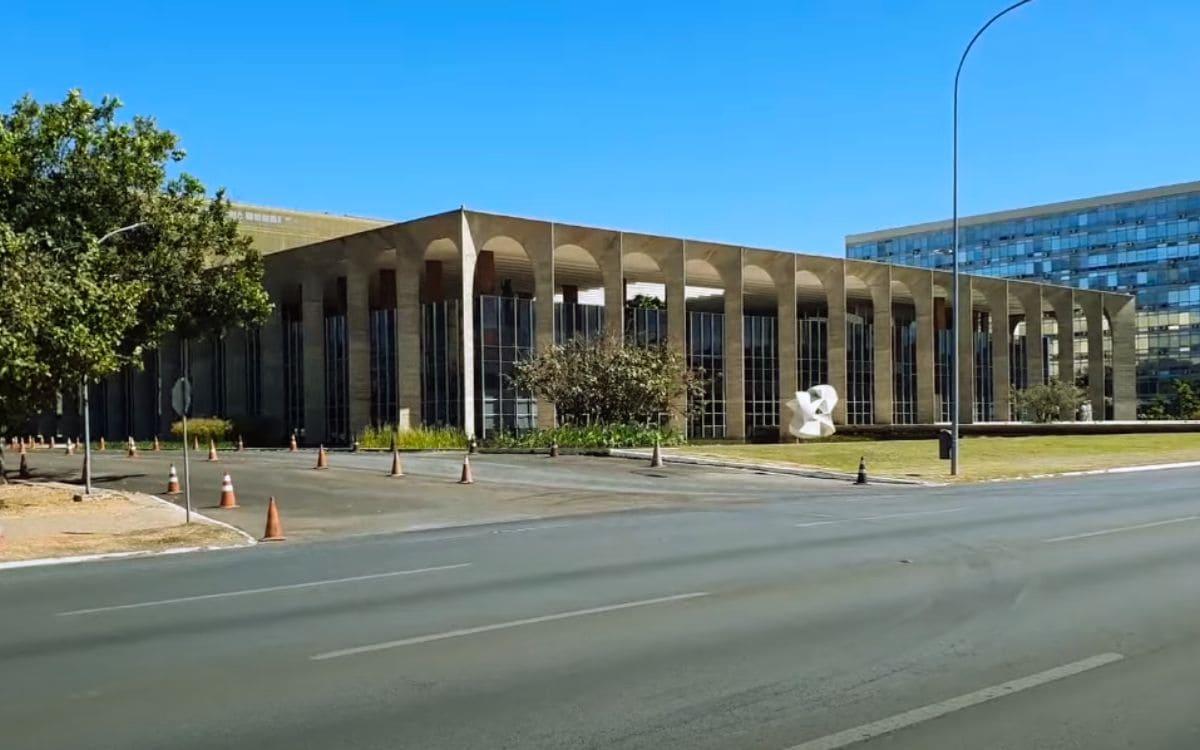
(263, 590)
(504, 625)
(809, 524)
(937, 710)
(1119, 529)
(911, 513)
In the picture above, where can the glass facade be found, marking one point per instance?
(253, 373)
(573, 320)
(504, 336)
(1149, 247)
(384, 404)
(761, 363)
(812, 331)
(293, 371)
(860, 363)
(706, 352)
(441, 376)
(904, 364)
(216, 376)
(984, 402)
(645, 326)
(337, 381)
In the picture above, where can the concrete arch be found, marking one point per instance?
(504, 267)
(758, 290)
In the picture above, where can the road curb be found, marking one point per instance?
(675, 458)
(1096, 472)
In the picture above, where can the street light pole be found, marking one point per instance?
(87, 412)
(954, 302)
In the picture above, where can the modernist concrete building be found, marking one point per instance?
(421, 320)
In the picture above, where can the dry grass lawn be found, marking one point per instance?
(982, 458)
(43, 520)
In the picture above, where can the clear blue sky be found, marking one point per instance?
(784, 125)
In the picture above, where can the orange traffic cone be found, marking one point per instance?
(23, 472)
(157, 445)
(467, 477)
(656, 461)
(101, 442)
(240, 445)
(322, 459)
(173, 482)
(131, 452)
(53, 444)
(196, 444)
(228, 499)
(396, 470)
(212, 450)
(70, 449)
(292, 444)
(274, 531)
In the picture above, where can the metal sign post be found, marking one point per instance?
(181, 401)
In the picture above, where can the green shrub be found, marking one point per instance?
(203, 428)
(587, 436)
(419, 438)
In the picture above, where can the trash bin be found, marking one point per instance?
(945, 444)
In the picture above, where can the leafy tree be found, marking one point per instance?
(646, 302)
(600, 380)
(1185, 402)
(79, 302)
(1049, 402)
(1159, 408)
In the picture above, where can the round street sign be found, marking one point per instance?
(181, 396)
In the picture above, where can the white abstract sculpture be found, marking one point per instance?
(812, 412)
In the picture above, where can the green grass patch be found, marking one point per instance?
(982, 457)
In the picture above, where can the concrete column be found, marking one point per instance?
(613, 272)
(1093, 310)
(1001, 337)
(920, 284)
(235, 373)
(408, 263)
(966, 352)
(835, 289)
(735, 364)
(1122, 315)
(1062, 301)
(543, 314)
(271, 363)
(466, 296)
(358, 345)
(312, 312)
(785, 330)
(1030, 296)
(881, 301)
(673, 263)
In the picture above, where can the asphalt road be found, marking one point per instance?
(355, 495)
(1052, 614)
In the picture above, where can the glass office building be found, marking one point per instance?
(1145, 242)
